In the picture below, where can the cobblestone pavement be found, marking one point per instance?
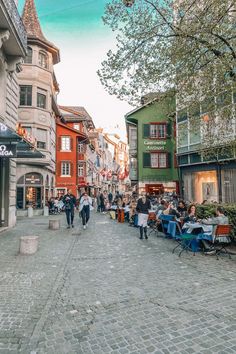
(106, 291)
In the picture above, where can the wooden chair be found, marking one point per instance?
(222, 237)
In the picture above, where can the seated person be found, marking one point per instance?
(191, 217)
(219, 219)
(181, 209)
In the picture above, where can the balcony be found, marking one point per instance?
(10, 20)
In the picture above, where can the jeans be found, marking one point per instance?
(85, 214)
(70, 216)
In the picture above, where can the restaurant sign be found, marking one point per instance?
(7, 150)
(155, 144)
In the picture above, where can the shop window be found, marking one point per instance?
(29, 56)
(20, 198)
(65, 169)
(41, 98)
(25, 95)
(43, 60)
(65, 143)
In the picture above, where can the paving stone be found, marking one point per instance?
(106, 291)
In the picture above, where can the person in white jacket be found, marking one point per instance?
(84, 207)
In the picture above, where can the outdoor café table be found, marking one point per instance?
(205, 233)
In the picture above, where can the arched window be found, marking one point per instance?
(29, 57)
(43, 60)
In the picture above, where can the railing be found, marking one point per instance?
(16, 21)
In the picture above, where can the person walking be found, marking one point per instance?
(102, 203)
(69, 201)
(143, 207)
(84, 208)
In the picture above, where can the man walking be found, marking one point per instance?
(69, 201)
(143, 206)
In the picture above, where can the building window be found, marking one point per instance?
(26, 95)
(43, 60)
(81, 170)
(158, 131)
(41, 138)
(76, 126)
(65, 169)
(41, 98)
(81, 148)
(29, 57)
(133, 138)
(155, 160)
(65, 143)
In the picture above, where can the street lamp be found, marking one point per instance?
(128, 3)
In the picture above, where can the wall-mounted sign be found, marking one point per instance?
(158, 148)
(155, 142)
(7, 150)
(33, 178)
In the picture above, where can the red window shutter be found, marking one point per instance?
(59, 143)
(71, 168)
(71, 143)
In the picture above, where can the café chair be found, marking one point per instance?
(222, 237)
(165, 219)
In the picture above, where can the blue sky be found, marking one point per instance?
(76, 27)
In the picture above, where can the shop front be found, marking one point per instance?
(30, 191)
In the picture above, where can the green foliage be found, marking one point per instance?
(208, 210)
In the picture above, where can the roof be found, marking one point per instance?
(79, 134)
(34, 30)
(76, 114)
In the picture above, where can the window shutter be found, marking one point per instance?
(71, 168)
(169, 129)
(71, 144)
(146, 159)
(168, 160)
(59, 143)
(146, 130)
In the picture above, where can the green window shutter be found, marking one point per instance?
(146, 130)
(169, 130)
(169, 162)
(146, 159)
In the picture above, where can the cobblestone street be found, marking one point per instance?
(106, 291)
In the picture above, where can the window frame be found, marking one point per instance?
(81, 165)
(41, 63)
(159, 153)
(27, 95)
(29, 58)
(68, 163)
(40, 93)
(62, 143)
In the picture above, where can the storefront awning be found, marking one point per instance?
(23, 148)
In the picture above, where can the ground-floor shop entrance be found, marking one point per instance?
(4, 191)
(30, 191)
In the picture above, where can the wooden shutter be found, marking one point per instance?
(146, 130)
(59, 143)
(168, 130)
(71, 168)
(168, 160)
(146, 159)
(71, 143)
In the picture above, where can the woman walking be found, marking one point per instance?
(143, 206)
(84, 208)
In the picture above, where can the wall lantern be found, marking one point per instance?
(128, 3)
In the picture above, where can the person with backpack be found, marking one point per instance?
(69, 201)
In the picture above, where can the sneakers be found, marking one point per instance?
(84, 227)
(68, 227)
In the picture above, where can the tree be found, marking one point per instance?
(186, 44)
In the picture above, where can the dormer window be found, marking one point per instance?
(43, 60)
(28, 58)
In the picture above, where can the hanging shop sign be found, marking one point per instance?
(7, 150)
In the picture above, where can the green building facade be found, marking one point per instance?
(151, 136)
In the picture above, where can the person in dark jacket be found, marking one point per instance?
(143, 207)
(69, 201)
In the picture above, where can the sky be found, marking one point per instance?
(76, 27)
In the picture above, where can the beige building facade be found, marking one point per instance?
(37, 115)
